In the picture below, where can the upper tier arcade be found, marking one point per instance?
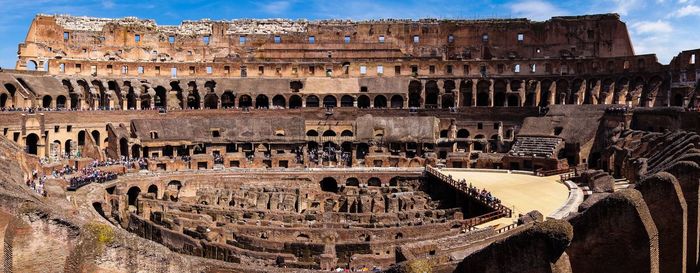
(55, 39)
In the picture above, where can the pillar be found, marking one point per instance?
(491, 92)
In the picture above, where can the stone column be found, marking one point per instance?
(491, 93)
(474, 90)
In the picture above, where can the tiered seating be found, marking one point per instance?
(536, 146)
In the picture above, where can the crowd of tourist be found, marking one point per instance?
(617, 109)
(481, 194)
(361, 269)
(127, 162)
(37, 183)
(89, 175)
(329, 154)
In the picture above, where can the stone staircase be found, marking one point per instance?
(536, 146)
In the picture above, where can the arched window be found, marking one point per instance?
(228, 100)
(347, 101)
(380, 101)
(330, 102)
(245, 101)
(295, 102)
(279, 101)
(396, 101)
(329, 184)
(262, 102)
(312, 101)
(363, 101)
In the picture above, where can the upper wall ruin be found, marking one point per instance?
(52, 38)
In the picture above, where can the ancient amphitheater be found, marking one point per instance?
(307, 146)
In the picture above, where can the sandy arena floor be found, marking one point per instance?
(520, 192)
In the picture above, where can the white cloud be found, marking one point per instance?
(651, 27)
(108, 4)
(688, 10)
(535, 9)
(623, 7)
(276, 7)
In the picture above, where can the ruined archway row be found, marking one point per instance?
(629, 90)
(632, 90)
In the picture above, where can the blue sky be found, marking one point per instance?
(664, 27)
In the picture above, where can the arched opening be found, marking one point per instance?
(3, 100)
(114, 89)
(678, 100)
(81, 138)
(330, 102)
(312, 133)
(545, 94)
(61, 102)
(46, 101)
(565, 95)
(174, 185)
(154, 190)
(132, 195)
(262, 102)
(462, 133)
(499, 93)
(432, 93)
(193, 100)
(448, 86)
(228, 100)
(374, 182)
(394, 182)
(379, 101)
(530, 99)
(96, 136)
(312, 101)
(32, 142)
(347, 101)
(31, 65)
(102, 96)
(161, 99)
(493, 144)
(279, 101)
(329, 133)
(414, 94)
(11, 88)
(329, 184)
(145, 102)
(295, 102)
(448, 101)
(346, 133)
(245, 101)
(465, 90)
(482, 93)
(211, 101)
(352, 182)
(363, 101)
(513, 100)
(123, 147)
(136, 151)
(303, 238)
(67, 148)
(361, 151)
(130, 99)
(396, 101)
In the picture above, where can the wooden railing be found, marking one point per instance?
(497, 207)
(573, 172)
